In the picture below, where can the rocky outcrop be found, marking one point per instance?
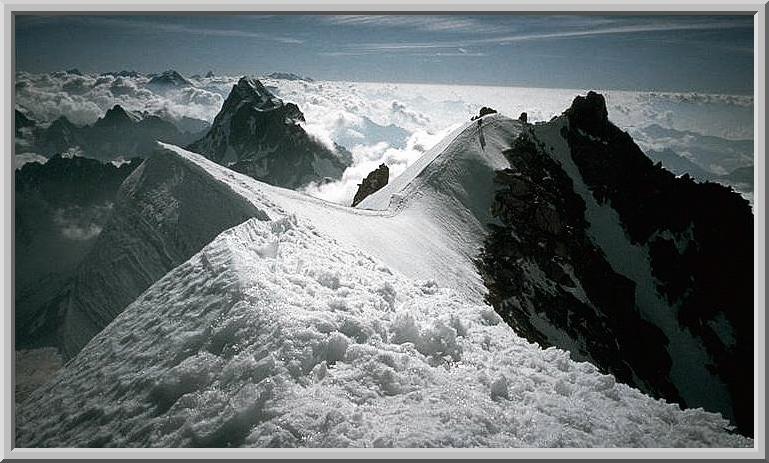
(544, 274)
(700, 241)
(604, 253)
(372, 183)
(485, 111)
(259, 135)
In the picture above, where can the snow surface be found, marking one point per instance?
(334, 326)
(156, 225)
(277, 335)
(435, 225)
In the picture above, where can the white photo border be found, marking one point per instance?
(756, 8)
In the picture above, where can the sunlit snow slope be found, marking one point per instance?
(434, 234)
(276, 335)
(332, 326)
(158, 223)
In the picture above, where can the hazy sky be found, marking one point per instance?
(676, 53)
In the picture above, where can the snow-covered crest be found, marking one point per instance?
(276, 335)
(345, 327)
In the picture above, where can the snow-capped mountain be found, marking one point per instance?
(168, 79)
(258, 134)
(645, 274)
(288, 76)
(324, 326)
(149, 235)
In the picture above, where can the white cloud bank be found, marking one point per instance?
(379, 122)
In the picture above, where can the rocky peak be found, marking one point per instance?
(288, 76)
(258, 134)
(169, 78)
(373, 182)
(485, 111)
(589, 114)
(61, 123)
(249, 88)
(116, 116)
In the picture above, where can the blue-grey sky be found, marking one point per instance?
(666, 53)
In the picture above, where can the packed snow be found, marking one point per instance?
(327, 326)
(156, 225)
(431, 228)
(275, 334)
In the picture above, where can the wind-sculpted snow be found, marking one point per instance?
(146, 238)
(276, 334)
(428, 223)
(166, 211)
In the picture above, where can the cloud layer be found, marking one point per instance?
(384, 122)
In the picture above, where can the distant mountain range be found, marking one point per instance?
(118, 134)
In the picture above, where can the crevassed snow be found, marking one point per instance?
(314, 343)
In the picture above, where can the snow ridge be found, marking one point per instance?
(275, 334)
(156, 225)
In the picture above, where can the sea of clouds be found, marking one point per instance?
(395, 123)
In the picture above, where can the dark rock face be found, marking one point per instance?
(60, 208)
(710, 280)
(21, 121)
(484, 112)
(259, 135)
(373, 182)
(542, 269)
(554, 272)
(589, 113)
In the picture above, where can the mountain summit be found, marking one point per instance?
(117, 116)
(169, 78)
(642, 273)
(258, 134)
